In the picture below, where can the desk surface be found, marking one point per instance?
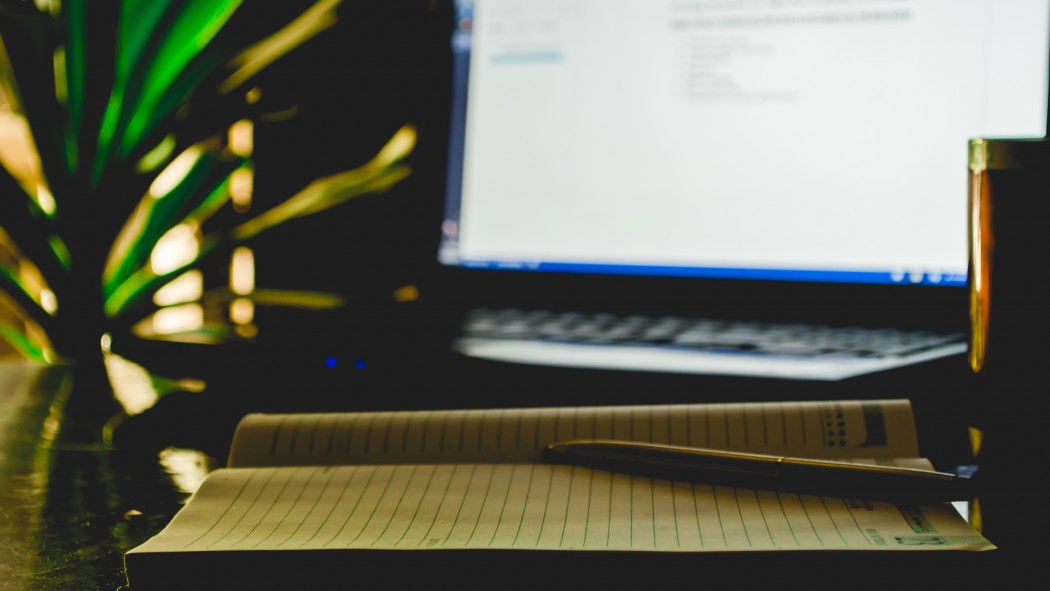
(68, 513)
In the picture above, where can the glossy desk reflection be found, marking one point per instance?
(68, 513)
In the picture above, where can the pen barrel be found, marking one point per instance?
(872, 482)
(670, 463)
(766, 472)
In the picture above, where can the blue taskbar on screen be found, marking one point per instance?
(806, 275)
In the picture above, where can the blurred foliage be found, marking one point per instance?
(115, 120)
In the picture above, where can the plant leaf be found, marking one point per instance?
(319, 196)
(200, 192)
(90, 30)
(139, 22)
(197, 23)
(213, 64)
(28, 44)
(22, 344)
(144, 281)
(150, 56)
(13, 288)
(210, 333)
(135, 46)
(16, 305)
(29, 228)
(76, 49)
(251, 61)
(310, 300)
(21, 162)
(378, 174)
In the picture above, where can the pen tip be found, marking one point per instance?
(554, 451)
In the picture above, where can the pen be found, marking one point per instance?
(761, 471)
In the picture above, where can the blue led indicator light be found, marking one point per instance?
(330, 361)
(359, 364)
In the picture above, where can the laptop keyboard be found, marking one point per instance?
(714, 346)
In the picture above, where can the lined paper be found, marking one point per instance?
(833, 429)
(530, 507)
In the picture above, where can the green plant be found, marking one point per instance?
(126, 107)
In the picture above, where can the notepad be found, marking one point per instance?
(326, 489)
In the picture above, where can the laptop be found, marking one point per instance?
(728, 188)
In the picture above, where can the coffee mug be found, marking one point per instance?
(1009, 348)
(1009, 240)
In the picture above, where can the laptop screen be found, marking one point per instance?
(807, 140)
